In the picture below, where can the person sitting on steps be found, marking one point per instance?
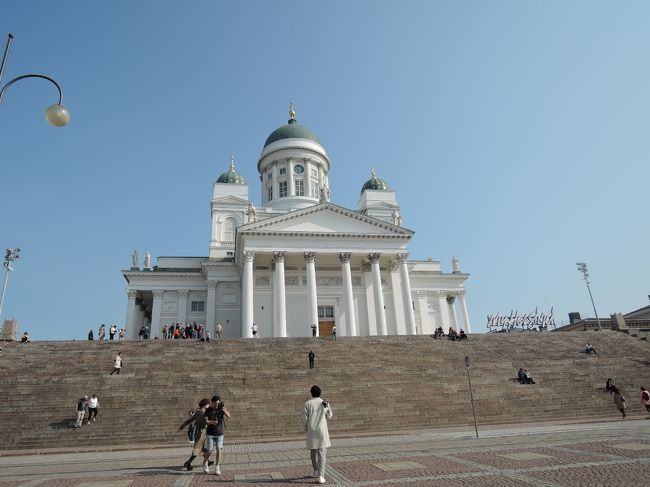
(589, 349)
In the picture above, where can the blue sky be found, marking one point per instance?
(515, 134)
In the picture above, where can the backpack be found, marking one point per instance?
(646, 396)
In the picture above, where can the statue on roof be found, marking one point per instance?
(135, 259)
(147, 260)
(397, 217)
(251, 213)
(324, 193)
(455, 265)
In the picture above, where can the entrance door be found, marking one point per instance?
(325, 328)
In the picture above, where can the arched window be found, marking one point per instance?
(229, 230)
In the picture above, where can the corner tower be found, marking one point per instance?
(293, 167)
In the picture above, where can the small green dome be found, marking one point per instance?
(231, 176)
(375, 183)
(292, 130)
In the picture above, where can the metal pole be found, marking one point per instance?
(4, 288)
(471, 394)
(6, 55)
(592, 303)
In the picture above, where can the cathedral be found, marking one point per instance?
(298, 259)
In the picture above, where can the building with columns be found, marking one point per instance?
(299, 259)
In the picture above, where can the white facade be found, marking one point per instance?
(299, 259)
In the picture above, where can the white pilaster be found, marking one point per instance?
(275, 183)
(131, 311)
(378, 292)
(348, 298)
(312, 295)
(156, 311)
(181, 315)
(444, 311)
(423, 307)
(215, 236)
(453, 318)
(247, 295)
(409, 314)
(211, 307)
(291, 191)
(279, 298)
(463, 308)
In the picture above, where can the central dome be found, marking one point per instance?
(292, 130)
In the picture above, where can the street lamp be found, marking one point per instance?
(55, 114)
(10, 256)
(582, 267)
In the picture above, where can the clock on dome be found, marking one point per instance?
(299, 169)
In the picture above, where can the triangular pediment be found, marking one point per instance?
(230, 200)
(325, 218)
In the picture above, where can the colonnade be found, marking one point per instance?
(279, 295)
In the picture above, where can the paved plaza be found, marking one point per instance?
(598, 454)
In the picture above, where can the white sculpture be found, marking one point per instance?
(324, 193)
(455, 265)
(135, 259)
(147, 260)
(251, 213)
(397, 218)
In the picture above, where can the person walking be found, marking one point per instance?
(334, 332)
(619, 399)
(315, 414)
(644, 396)
(93, 404)
(218, 329)
(312, 357)
(191, 429)
(216, 416)
(200, 438)
(81, 411)
(254, 328)
(117, 364)
(102, 331)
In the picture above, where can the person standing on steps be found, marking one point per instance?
(313, 330)
(619, 399)
(312, 357)
(93, 404)
(200, 438)
(334, 332)
(112, 331)
(254, 328)
(117, 364)
(644, 396)
(218, 330)
(81, 411)
(315, 414)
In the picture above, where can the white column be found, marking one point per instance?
(348, 298)
(406, 293)
(463, 308)
(279, 298)
(131, 310)
(444, 310)
(156, 311)
(452, 312)
(181, 315)
(291, 191)
(274, 182)
(211, 307)
(312, 295)
(215, 236)
(247, 295)
(378, 292)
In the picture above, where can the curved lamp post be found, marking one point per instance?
(10, 256)
(56, 114)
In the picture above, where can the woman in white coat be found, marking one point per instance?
(314, 416)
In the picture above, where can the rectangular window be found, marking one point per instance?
(283, 170)
(325, 312)
(283, 189)
(300, 187)
(314, 172)
(314, 189)
(198, 306)
(269, 193)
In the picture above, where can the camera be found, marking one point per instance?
(221, 405)
(325, 404)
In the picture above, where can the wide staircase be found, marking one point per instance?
(375, 384)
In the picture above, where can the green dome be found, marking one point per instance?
(231, 176)
(292, 130)
(375, 183)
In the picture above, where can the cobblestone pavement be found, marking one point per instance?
(599, 454)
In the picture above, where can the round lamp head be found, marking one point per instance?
(57, 115)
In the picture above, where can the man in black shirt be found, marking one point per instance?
(200, 438)
(216, 416)
(311, 357)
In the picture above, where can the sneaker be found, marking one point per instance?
(217, 470)
(206, 469)
(191, 443)
(188, 465)
(321, 480)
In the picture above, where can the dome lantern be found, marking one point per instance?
(231, 176)
(375, 183)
